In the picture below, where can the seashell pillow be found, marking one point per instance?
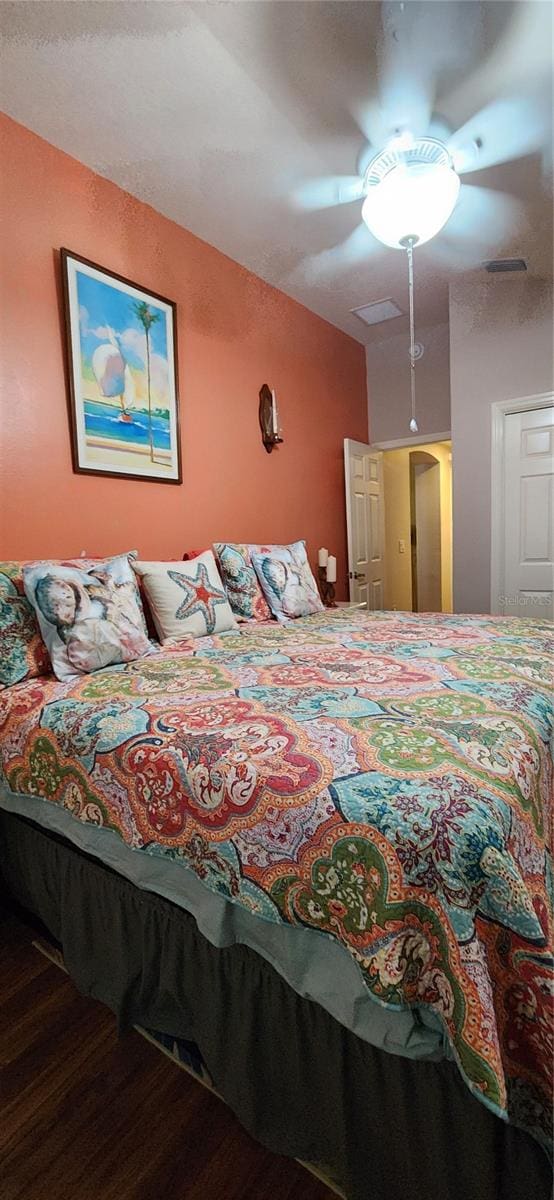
(23, 654)
(90, 615)
(287, 581)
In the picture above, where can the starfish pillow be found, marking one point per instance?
(187, 599)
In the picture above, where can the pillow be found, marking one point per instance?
(23, 654)
(287, 581)
(187, 599)
(89, 563)
(89, 618)
(241, 582)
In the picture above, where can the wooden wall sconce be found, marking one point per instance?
(269, 421)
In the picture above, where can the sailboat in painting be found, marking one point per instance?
(113, 375)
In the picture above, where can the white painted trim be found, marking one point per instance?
(500, 409)
(420, 440)
(358, 447)
(346, 444)
(361, 448)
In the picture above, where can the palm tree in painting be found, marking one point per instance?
(147, 319)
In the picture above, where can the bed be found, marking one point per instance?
(358, 805)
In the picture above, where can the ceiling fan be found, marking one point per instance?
(410, 182)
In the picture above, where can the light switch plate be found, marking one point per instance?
(401, 546)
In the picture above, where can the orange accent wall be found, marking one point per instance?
(234, 332)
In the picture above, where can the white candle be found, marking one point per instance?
(331, 569)
(323, 557)
(274, 412)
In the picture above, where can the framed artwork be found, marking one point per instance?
(122, 359)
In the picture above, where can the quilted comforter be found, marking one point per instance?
(384, 778)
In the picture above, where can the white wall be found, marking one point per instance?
(501, 348)
(388, 385)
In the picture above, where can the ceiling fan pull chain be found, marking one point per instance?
(410, 253)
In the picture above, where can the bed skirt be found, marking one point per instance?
(383, 1127)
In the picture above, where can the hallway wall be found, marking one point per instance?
(396, 478)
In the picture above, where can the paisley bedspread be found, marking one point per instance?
(384, 778)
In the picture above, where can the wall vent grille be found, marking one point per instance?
(503, 266)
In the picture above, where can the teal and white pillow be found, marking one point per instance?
(89, 618)
(241, 582)
(23, 654)
(187, 599)
(287, 581)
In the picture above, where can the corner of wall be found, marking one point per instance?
(501, 348)
(388, 384)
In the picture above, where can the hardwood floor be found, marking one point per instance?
(88, 1116)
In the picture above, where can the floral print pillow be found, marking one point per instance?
(287, 581)
(241, 582)
(89, 618)
(23, 654)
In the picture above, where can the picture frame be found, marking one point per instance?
(122, 375)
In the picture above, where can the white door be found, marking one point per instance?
(528, 513)
(365, 521)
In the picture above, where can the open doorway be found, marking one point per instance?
(417, 483)
(425, 531)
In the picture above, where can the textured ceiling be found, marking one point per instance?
(224, 115)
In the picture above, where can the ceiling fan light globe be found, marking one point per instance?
(409, 199)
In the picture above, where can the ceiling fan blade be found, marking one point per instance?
(508, 128)
(358, 247)
(407, 83)
(419, 44)
(519, 63)
(328, 192)
(484, 212)
(481, 222)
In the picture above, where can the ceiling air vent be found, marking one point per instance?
(498, 266)
(380, 310)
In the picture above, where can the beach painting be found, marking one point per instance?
(122, 375)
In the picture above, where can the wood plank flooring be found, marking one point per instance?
(88, 1116)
